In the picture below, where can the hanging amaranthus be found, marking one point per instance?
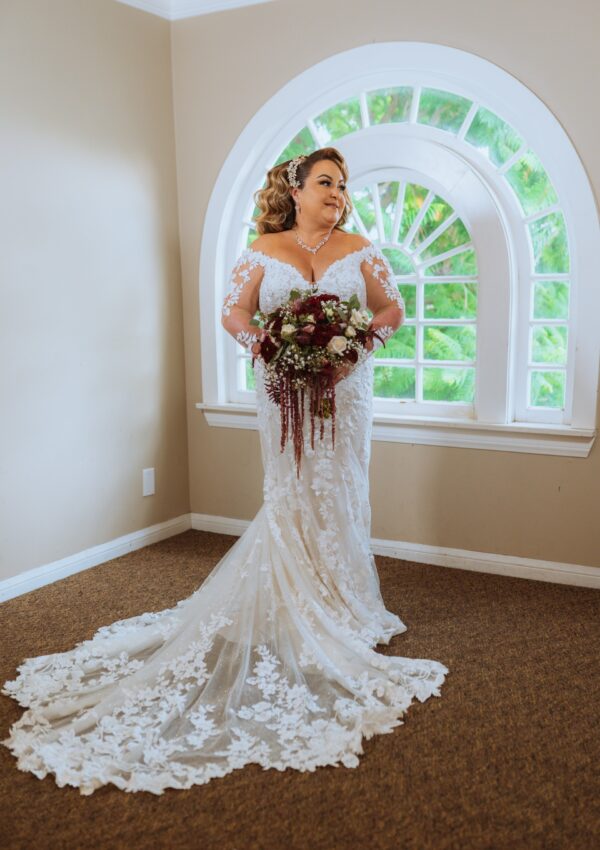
(306, 340)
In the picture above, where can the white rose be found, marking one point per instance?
(350, 331)
(287, 329)
(337, 344)
(356, 317)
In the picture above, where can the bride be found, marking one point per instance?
(271, 660)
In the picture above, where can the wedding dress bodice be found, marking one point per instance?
(343, 277)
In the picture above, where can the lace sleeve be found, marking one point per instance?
(383, 296)
(241, 302)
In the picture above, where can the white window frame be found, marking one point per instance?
(501, 423)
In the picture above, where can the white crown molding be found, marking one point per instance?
(462, 559)
(175, 10)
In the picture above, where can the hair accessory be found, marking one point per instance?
(291, 171)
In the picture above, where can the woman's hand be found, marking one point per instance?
(255, 347)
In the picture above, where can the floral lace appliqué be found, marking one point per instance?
(272, 659)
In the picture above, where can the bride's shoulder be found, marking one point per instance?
(372, 252)
(266, 243)
(358, 241)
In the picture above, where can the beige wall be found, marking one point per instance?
(91, 348)
(93, 306)
(225, 67)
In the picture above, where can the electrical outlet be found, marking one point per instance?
(148, 482)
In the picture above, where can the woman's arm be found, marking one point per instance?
(241, 302)
(383, 297)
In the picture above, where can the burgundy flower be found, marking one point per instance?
(268, 349)
(323, 333)
(276, 324)
(328, 370)
(315, 300)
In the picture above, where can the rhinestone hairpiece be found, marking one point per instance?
(291, 171)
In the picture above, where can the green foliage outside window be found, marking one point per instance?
(447, 317)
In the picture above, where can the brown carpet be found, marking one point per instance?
(507, 757)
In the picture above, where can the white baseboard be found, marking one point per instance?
(462, 559)
(48, 573)
(487, 562)
(441, 556)
(219, 524)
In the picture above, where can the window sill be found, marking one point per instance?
(530, 438)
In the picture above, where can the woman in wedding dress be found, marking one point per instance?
(271, 660)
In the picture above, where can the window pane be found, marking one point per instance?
(409, 293)
(389, 105)
(551, 299)
(450, 300)
(455, 235)
(548, 389)
(394, 382)
(493, 137)
(399, 261)
(464, 263)
(363, 204)
(456, 342)
(414, 196)
(437, 212)
(444, 383)
(388, 196)
(531, 184)
(442, 109)
(341, 119)
(549, 344)
(549, 244)
(250, 377)
(302, 143)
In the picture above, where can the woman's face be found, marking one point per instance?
(322, 199)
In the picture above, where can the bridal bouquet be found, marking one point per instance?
(305, 340)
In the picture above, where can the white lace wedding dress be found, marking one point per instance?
(272, 659)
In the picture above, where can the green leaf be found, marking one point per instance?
(278, 353)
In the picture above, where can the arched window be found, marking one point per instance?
(474, 192)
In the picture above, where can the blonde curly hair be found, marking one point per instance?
(275, 202)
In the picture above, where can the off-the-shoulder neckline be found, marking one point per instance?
(297, 270)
